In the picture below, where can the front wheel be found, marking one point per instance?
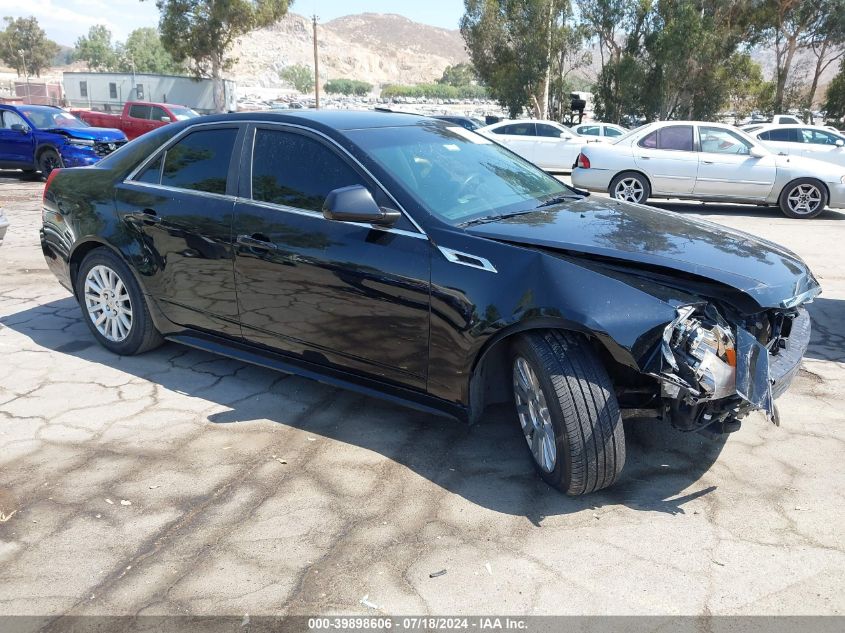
(567, 410)
(48, 161)
(803, 198)
(113, 305)
(630, 187)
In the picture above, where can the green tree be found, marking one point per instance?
(510, 45)
(827, 43)
(202, 31)
(24, 46)
(143, 52)
(462, 74)
(96, 49)
(834, 104)
(300, 76)
(347, 87)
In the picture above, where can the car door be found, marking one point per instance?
(179, 206)
(667, 157)
(518, 137)
(556, 148)
(140, 115)
(726, 167)
(346, 295)
(822, 145)
(16, 145)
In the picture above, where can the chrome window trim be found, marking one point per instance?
(130, 179)
(454, 256)
(355, 161)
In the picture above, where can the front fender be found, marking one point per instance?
(473, 309)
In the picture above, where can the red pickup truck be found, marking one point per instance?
(138, 117)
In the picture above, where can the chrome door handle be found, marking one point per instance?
(645, 157)
(707, 162)
(251, 241)
(148, 216)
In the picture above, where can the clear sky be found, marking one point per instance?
(66, 20)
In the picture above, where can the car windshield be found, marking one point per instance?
(183, 114)
(47, 118)
(457, 175)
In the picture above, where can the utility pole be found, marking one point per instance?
(316, 66)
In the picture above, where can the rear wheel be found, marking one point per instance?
(48, 161)
(113, 305)
(568, 412)
(803, 198)
(630, 187)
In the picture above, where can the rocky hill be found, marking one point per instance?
(373, 47)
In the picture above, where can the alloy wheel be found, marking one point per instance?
(629, 190)
(108, 304)
(804, 199)
(534, 416)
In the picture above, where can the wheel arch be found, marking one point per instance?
(490, 380)
(794, 180)
(81, 250)
(639, 172)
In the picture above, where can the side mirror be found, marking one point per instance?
(757, 152)
(166, 119)
(565, 135)
(20, 128)
(356, 204)
(839, 142)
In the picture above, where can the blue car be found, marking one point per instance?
(43, 138)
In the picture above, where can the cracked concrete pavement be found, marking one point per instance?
(181, 482)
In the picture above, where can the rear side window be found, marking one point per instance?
(200, 161)
(612, 131)
(139, 111)
(517, 129)
(672, 137)
(789, 135)
(590, 130)
(296, 171)
(152, 174)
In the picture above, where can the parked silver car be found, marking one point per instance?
(708, 161)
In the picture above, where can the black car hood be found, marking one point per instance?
(770, 274)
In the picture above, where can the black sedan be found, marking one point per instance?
(414, 260)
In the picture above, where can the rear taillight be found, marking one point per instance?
(47, 184)
(583, 162)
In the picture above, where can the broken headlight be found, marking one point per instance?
(700, 348)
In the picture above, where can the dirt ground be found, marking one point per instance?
(180, 482)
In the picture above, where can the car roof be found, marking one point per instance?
(793, 126)
(341, 120)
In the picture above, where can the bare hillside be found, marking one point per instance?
(372, 47)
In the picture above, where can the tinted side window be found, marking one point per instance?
(548, 130)
(649, 140)
(297, 171)
(12, 118)
(200, 161)
(157, 113)
(518, 129)
(152, 173)
(785, 136)
(676, 137)
(612, 131)
(139, 111)
(590, 130)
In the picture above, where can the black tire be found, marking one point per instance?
(588, 432)
(142, 335)
(644, 185)
(797, 187)
(49, 160)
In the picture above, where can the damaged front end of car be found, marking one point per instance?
(713, 372)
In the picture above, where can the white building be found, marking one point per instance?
(109, 91)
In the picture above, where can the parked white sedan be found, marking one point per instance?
(708, 161)
(605, 132)
(547, 144)
(812, 141)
